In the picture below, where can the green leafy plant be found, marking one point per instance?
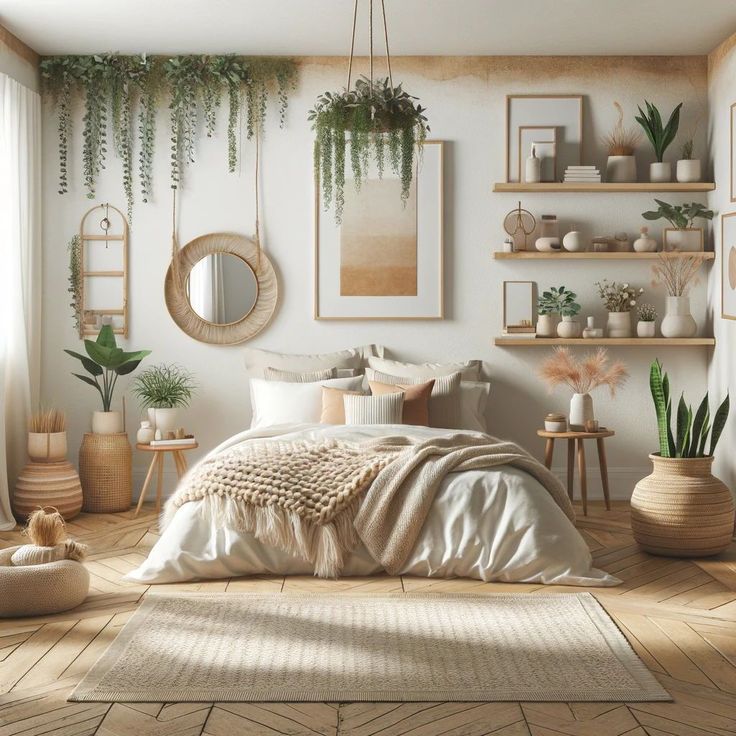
(106, 360)
(647, 313)
(680, 216)
(686, 151)
(617, 297)
(691, 430)
(374, 120)
(660, 136)
(75, 280)
(164, 387)
(558, 301)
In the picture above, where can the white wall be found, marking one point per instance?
(466, 102)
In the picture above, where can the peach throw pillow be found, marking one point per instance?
(416, 399)
(333, 407)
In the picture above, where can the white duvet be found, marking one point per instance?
(498, 524)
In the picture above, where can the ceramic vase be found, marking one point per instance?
(48, 484)
(678, 322)
(681, 509)
(573, 241)
(47, 447)
(619, 324)
(568, 328)
(621, 169)
(581, 411)
(167, 420)
(107, 422)
(645, 329)
(645, 243)
(688, 170)
(660, 172)
(546, 326)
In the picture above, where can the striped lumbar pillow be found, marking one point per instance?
(386, 409)
(276, 374)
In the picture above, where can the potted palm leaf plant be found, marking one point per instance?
(660, 136)
(681, 509)
(163, 390)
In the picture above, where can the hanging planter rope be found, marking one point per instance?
(374, 119)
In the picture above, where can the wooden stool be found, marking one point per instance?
(572, 438)
(158, 462)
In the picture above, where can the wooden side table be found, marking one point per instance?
(159, 453)
(578, 438)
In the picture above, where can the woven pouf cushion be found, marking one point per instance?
(36, 590)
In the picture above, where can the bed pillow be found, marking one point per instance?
(473, 404)
(275, 374)
(280, 402)
(257, 360)
(333, 407)
(416, 399)
(384, 409)
(470, 369)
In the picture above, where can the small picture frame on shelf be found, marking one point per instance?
(683, 240)
(518, 307)
(544, 140)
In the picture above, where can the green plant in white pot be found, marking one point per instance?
(558, 301)
(660, 136)
(681, 509)
(163, 390)
(106, 362)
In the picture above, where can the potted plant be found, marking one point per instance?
(163, 390)
(47, 436)
(688, 168)
(645, 327)
(106, 360)
(621, 143)
(660, 136)
(547, 308)
(558, 301)
(618, 300)
(682, 236)
(375, 120)
(582, 376)
(677, 274)
(681, 509)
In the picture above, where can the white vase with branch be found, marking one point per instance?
(677, 274)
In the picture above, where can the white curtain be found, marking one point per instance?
(20, 276)
(206, 289)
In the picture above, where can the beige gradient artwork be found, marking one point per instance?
(378, 241)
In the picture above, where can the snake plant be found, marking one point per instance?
(660, 136)
(691, 430)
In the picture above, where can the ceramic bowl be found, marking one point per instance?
(547, 245)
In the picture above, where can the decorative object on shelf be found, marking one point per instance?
(507, 246)
(618, 299)
(568, 327)
(573, 241)
(582, 175)
(688, 168)
(591, 425)
(677, 274)
(518, 306)
(621, 242)
(549, 234)
(660, 136)
(645, 243)
(682, 236)
(146, 434)
(542, 140)
(600, 244)
(681, 509)
(533, 166)
(104, 358)
(106, 471)
(582, 376)
(728, 266)
(559, 301)
(157, 463)
(386, 259)
(165, 389)
(519, 222)
(555, 422)
(621, 143)
(563, 113)
(591, 331)
(646, 325)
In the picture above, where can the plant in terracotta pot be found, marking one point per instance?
(105, 361)
(582, 376)
(682, 236)
(618, 299)
(621, 143)
(677, 274)
(660, 136)
(163, 390)
(646, 325)
(681, 509)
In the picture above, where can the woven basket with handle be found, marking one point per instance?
(106, 472)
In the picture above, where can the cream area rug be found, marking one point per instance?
(205, 647)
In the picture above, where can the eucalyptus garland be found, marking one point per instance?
(75, 279)
(124, 91)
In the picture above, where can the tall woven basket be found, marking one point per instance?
(106, 472)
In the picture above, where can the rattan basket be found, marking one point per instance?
(106, 472)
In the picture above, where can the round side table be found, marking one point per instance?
(159, 453)
(577, 438)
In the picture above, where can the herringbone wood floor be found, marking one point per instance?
(679, 615)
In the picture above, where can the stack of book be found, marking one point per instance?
(582, 174)
(174, 443)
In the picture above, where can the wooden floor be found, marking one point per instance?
(679, 615)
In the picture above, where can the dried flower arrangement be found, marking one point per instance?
(617, 297)
(647, 313)
(47, 421)
(676, 273)
(621, 141)
(584, 375)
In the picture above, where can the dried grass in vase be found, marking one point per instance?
(621, 141)
(583, 375)
(47, 421)
(677, 273)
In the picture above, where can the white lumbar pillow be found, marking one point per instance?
(473, 404)
(257, 360)
(279, 402)
(470, 369)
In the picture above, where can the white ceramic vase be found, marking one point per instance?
(678, 321)
(619, 324)
(568, 328)
(660, 172)
(645, 329)
(167, 420)
(573, 241)
(107, 422)
(581, 411)
(645, 243)
(688, 170)
(546, 326)
(621, 169)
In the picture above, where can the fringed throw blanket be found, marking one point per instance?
(316, 498)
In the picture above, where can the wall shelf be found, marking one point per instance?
(530, 255)
(644, 186)
(633, 342)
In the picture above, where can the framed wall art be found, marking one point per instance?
(732, 162)
(564, 113)
(544, 140)
(385, 260)
(728, 266)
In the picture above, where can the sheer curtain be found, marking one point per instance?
(20, 276)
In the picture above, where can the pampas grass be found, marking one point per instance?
(677, 273)
(582, 376)
(47, 421)
(621, 141)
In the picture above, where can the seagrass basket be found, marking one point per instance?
(106, 472)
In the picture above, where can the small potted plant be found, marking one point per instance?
(645, 327)
(677, 274)
(660, 136)
(681, 509)
(561, 301)
(163, 390)
(107, 361)
(682, 236)
(621, 143)
(688, 168)
(618, 300)
(547, 308)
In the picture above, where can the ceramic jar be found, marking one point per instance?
(555, 423)
(619, 324)
(621, 169)
(107, 422)
(681, 509)
(568, 328)
(645, 329)
(688, 170)
(546, 326)
(660, 172)
(678, 322)
(645, 243)
(581, 411)
(145, 434)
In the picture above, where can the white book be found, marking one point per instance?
(174, 443)
(591, 179)
(582, 168)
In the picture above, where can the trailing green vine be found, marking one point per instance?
(75, 279)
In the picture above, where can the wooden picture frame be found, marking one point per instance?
(731, 162)
(549, 144)
(728, 266)
(509, 313)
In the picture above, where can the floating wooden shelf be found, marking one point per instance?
(644, 186)
(530, 255)
(633, 342)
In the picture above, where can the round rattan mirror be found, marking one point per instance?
(229, 290)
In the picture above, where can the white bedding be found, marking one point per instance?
(498, 524)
